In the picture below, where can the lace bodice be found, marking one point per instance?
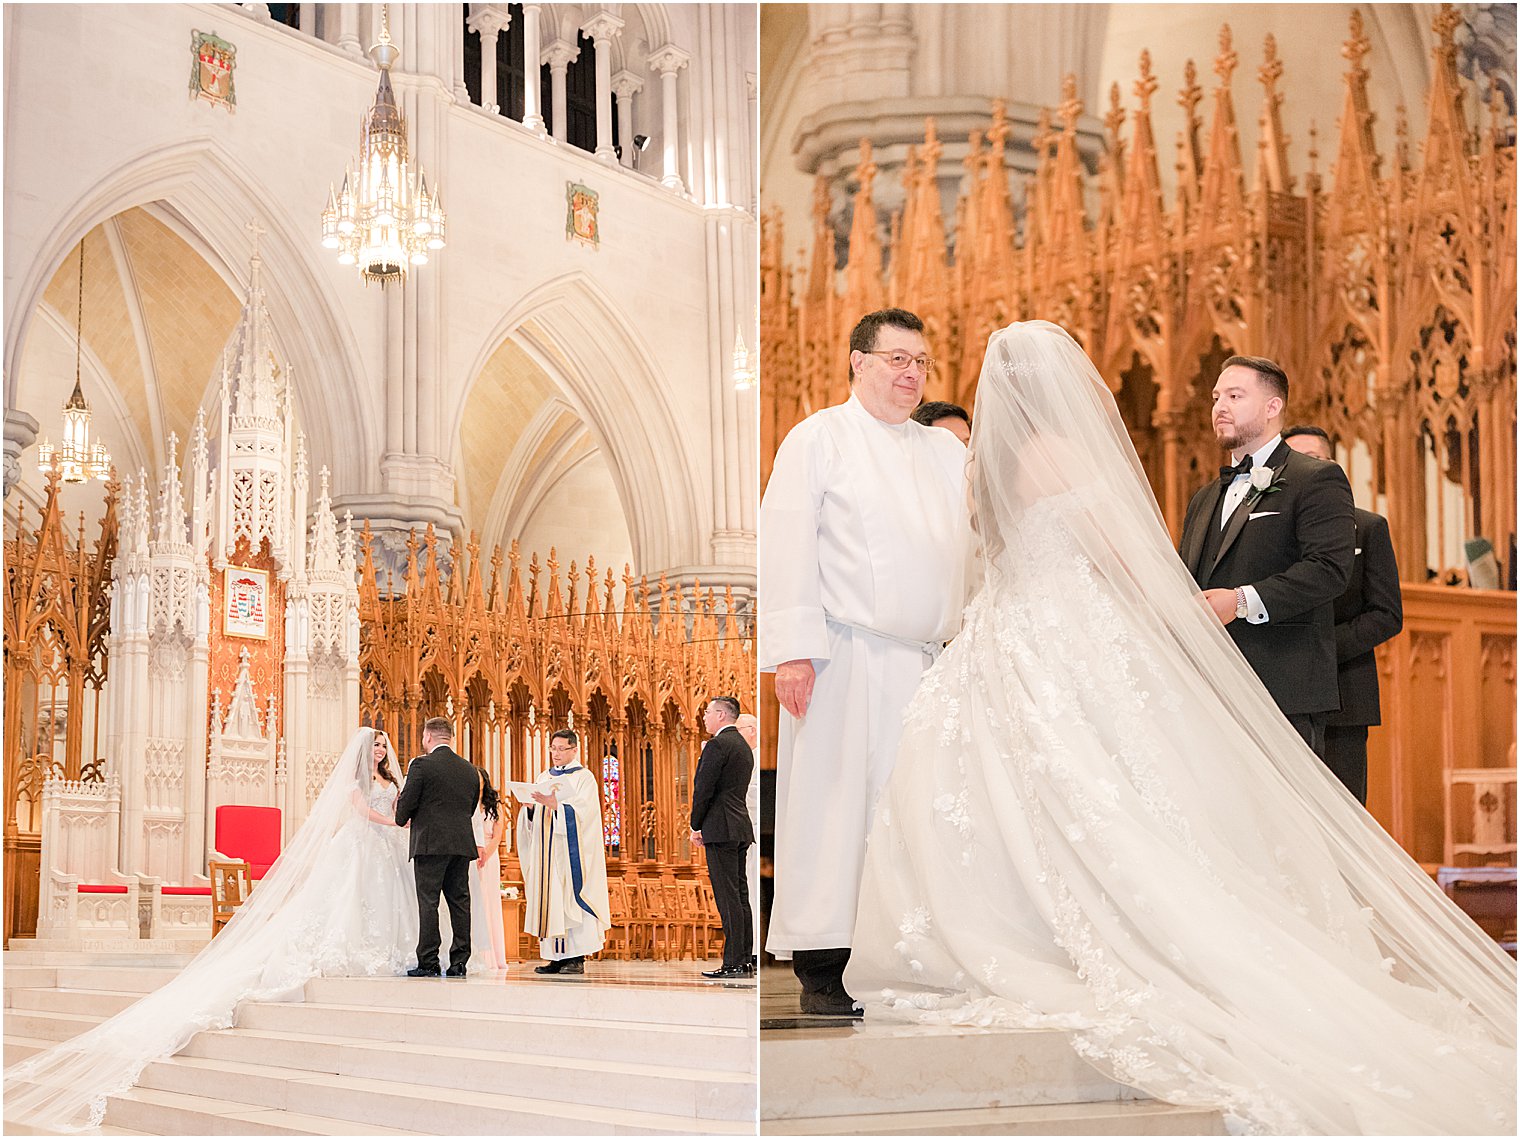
(382, 796)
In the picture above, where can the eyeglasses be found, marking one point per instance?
(899, 361)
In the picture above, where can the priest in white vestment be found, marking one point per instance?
(564, 862)
(863, 546)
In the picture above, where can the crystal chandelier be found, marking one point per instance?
(383, 219)
(76, 458)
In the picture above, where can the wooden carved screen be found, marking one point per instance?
(510, 660)
(1389, 297)
(57, 617)
(1387, 289)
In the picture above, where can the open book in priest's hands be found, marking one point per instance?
(523, 792)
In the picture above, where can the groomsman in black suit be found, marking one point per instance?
(1271, 543)
(720, 824)
(1370, 612)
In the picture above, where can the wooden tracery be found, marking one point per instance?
(57, 620)
(1386, 290)
(511, 657)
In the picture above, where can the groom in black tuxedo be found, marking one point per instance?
(438, 799)
(1271, 544)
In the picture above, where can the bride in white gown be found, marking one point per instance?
(1100, 822)
(339, 901)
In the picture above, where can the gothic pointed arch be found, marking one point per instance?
(212, 197)
(581, 340)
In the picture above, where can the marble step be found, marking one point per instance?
(27, 977)
(880, 1068)
(103, 1129)
(49, 1026)
(707, 1006)
(1132, 1117)
(694, 1046)
(83, 1002)
(18, 1048)
(116, 978)
(28, 951)
(392, 1103)
(174, 1113)
(661, 1087)
(59, 1014)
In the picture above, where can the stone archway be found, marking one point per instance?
(208, 198)
(577, 339)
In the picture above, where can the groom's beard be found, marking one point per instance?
(1232, 436)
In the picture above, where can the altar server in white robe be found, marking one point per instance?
(564, 864)
(864, 533)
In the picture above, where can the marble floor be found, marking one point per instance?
(843, 1076)
(629, 1047)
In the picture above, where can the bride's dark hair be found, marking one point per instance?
(383, 768)
(490, 798)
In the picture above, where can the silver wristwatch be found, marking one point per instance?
(1242, 606)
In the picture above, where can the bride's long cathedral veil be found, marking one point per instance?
(267, 951)
(1046, 424)
(1273, 952)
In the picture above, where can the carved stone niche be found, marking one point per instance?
(241, 764)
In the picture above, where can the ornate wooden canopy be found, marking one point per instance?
(510, 660)
(1387, 289)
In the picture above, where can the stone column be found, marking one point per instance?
(348, 30)
(458, 86)
(752, 132)
(601, 29)
(308, 19)
(668, 61)
(625, 84)
(488, 21)
(533, 116)
(20, 433)
(559, 55)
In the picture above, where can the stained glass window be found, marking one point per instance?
(612, 816)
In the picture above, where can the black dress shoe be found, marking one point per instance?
(549, 967)
(455, 971)
(419, 972)
(829, 1004)
(573, 965)
(723, 972)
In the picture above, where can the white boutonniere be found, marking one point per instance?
(1265, 481)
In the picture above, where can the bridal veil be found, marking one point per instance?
(284, 934)
(1100, 822)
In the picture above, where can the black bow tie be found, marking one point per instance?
(1227, 474)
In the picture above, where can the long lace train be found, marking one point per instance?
(1100, 822)
(338, 902)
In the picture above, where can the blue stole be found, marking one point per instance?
(573, 842)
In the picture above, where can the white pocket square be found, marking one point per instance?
(1262, 514)
(1358, 550)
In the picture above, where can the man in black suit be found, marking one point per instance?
(720, 825)
(1370, 612)
(1270, 544)
(438, 799)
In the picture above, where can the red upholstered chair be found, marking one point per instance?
(248, 834)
